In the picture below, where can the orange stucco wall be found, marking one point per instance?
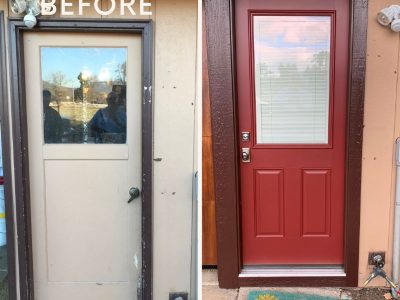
(382, 126)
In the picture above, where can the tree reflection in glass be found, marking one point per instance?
(87, 88)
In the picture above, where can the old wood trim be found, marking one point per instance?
(209, 229)
(7, 169)
(221, 60)
(20, 137)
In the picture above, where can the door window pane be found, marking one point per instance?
(292, 66)
(84, 95)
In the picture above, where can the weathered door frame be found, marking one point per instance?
(221, 63)
(5, 135)
(20, 137)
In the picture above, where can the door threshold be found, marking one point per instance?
(292, 271)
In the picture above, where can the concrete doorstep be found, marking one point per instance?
(211, 291)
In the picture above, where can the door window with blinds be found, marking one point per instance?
(292, 79)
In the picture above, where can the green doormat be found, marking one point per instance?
(271, 295)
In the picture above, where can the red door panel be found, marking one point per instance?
(292, 194)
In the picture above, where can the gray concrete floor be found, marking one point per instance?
(211, 291)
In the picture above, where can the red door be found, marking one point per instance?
(292, 73)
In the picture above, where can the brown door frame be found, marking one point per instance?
(20, 137)
(6, 150)
(221, 63)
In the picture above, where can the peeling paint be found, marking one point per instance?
(147, 98)
(136, 261)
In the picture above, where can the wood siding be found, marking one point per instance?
(208, 201)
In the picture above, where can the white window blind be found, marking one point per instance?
(292, 63)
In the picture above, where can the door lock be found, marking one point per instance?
(245, 136)
(245, 154)
(134, 193)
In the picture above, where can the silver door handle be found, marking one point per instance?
(245, 154)
(134, 193)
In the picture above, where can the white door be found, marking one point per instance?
(83, 96)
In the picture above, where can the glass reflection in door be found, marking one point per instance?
(84, 95)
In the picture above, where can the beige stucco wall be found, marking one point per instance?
(175, 84)
(382, 126)
(175, 92)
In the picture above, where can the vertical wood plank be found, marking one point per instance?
(355, 138)
(206, 124)
(221, 74)
(208, 202)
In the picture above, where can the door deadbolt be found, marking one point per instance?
(245, 154)
(245, 136)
